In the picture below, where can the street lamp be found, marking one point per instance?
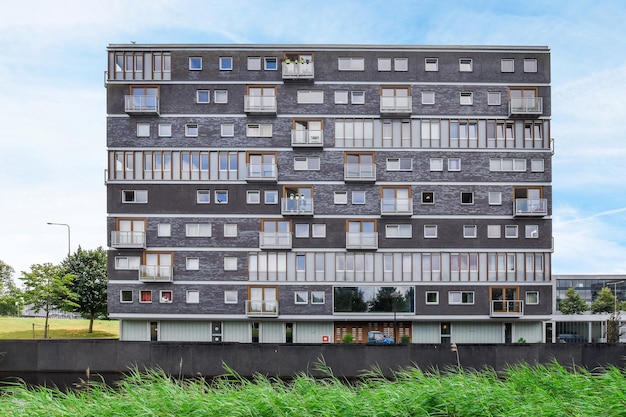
(614, 293)
(68, 234)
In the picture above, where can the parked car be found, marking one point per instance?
(378, 338)
(571, 338)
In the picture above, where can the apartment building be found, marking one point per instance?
(298, 193)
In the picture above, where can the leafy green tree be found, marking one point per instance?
(89, 268)
(10, 295)
(47, 288)
(604, 302)
(573, 303)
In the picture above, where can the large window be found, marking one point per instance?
(374, 299)
(351, 64)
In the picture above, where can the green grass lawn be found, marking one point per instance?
(22, 328)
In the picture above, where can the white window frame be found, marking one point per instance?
(226, 63)
(384, 64)
(428, 97)
(220, 96)
(254, 63)
(357, 97)
(259, 130)
(165, 130)
(192, 263)
(318, 230)
(270, 61)
(507, 164)
(230, 230)
(466, 98)
(164, 230)
(195, 63)
(431, 64)
(464, 193)
(253, 197)
(198, 230)
(424, 197)
(141, 292)
(302, 230)
(430, 231)
(494, 98)
(454, 164)
(270, 197)
(531, 231)
(301, 297)
(466, 65)
(470, 231)
(318, 297)
(435, 293)
(230, 263)
(532, 298)
(306, 163)
(507, 65)
(143, 130)
(342, 97)
(537, 165)
(231, 297)
(340, 197)
(495, 198)
(399, 231)
(221, 196)
(456, 297)
(192, 130)
(192, 297)
(227, 130)
(530, 64)
(310, 97)
(127, 263)
(494, 231)
(203, 197)
(395, 164)
(132, 296)
(436, 164)
(358, 197)
(511, 231)
(203, 96)
(401, 64)
(351, 64)
(165, 300)
(138, 196)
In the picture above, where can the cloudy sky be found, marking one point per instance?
(52, 99)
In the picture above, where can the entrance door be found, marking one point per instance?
(154, 331)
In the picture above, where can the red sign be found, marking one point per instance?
(325, 339)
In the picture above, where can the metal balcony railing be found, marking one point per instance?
(396, 206)
(307, 137)
(148, 105)
(275, 240)
(156, 273)
(264, 308)
(361, 240)
(296, 205)
(261, 172)
(531, 207)
(260, 104)
(526, 105)
(507, 308)
(128, 239)
(393, 104)
(359, 172)
(298, 70)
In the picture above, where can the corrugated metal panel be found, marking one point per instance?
(426, 332)
(134, 330)
(472, 332)
(185, 331)
(272, 332)
(532, 332)
(236, 331)
(306, 332)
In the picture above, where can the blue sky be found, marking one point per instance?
(52, 99)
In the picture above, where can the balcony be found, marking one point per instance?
(359, 172)
(155, 273)
(396, 206)
(141, 105)
(391, 105)
(122, 240)
(507, 308)
(531, 207)
(302, 70)
(362, 240)
(525, 105)
(296, 206)
(262, 172)
(274, 240)
(304, 138)
(263, 105)
(262, 308)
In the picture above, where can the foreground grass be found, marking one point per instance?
(22, 328)
(522, 391)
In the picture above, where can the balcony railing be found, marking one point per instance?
(128, 239)
(507, 308)
(296, 206)
(361, 240)
(262, 172)
(396, 206)
(148, 105)
(156, 273)
(260, 104)
(393, 104)
(531, 207)
(359, 172)
(526, 105)
(275, 240)
(298, 70)
(265, 308)
(307, 137)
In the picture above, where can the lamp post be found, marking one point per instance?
(68, 235)
(613, 324)
(614, 293)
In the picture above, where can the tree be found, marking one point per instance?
(573, 303)
(89, 268)
(46, 288)
(604, 302)
(10, 295)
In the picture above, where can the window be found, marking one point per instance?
(126, 296)
(230, 297)
(165, 296)
(428, 97)
(165, 130)
(494, 98)
(221, 197)
(357, 97)
(203, 96)
(495, 198)
(358, 197)
(536, 165)
(318, 297)
(271, 63)
(384, 64)
(191, 130)
(230, 263)
(220, 96)
(530, 65)
(230, 230)
(399, 164)
(318, 230)
(469, 231)
(254, 63)
(271, 197)
(203, 196)
(192, 297)
(466, 98)
(430, 231)
(351, 64)
(432, 297)
(431, 64)
(494, 231)
(198, 230)
(461, 297)
(260, 130)
(302, 230)
(341, 97)
(127, 262)
(253, 197)
(310, 97)
(300, 263)
(400, 64)
(301, 297)
(226, 63)
(398, 231)
(532, 231)
(192, 264)
(227, 130)
(195, 63)
(467, 198)
(428, 197)
(143, 130)
(340, 197)
(510, 231)
(306, 163)
(532, 297)
(164, 230)
(466, 65)
(135, 196)
(507, 165)
(507, 65)
(145, 296)
(454, 164)
(436, 164)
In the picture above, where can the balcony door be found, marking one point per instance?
(262, 299)
(505, 299)
(130, 231)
